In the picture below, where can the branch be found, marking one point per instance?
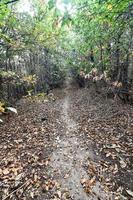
(27, 182)
(13, 1)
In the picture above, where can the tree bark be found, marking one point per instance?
(101, 57)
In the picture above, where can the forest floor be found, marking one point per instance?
(77, 147)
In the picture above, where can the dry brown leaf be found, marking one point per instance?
(35, 178)
(45, 188)
(123, 163)
(59, 194)
(92, 181)
(83, 180)
(91, 169)
(66, 176)
(5, 171)
(46, 163)
(108, 154)
(1, 171)
(88, 184)
(129, 192)
(32, 194)
(15, 170)
(115, 170)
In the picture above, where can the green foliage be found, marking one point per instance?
(7, 74)
(51, 38)
(30, 79)
(98, 25)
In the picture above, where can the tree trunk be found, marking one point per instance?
(109, 54)
(101, 57)
(117, 56)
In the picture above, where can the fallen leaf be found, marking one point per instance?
(35, 178)
(59, 194)
(1, 171)
(108, 154)
(46, 163)
(115, 169)
(32, 194)
(129, 192)
(6, 171)
(123, 163)
(1, 121)
(66, 176)
(12, 109)
(83, 180)
(91, 169)
(45, 188)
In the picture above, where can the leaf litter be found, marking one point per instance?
(100, 147)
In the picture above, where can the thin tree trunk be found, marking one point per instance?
(109, 54)
(117, 56)
(101, 57)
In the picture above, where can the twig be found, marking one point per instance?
(28, 181)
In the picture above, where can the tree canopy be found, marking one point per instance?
(46, 37)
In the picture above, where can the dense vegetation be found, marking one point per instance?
(38, 44)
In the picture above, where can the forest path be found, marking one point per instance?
(69, 158)
(77, 146)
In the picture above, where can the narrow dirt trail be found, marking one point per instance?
(68, 159)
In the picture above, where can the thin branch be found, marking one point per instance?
(28, 181)
(9, 2)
